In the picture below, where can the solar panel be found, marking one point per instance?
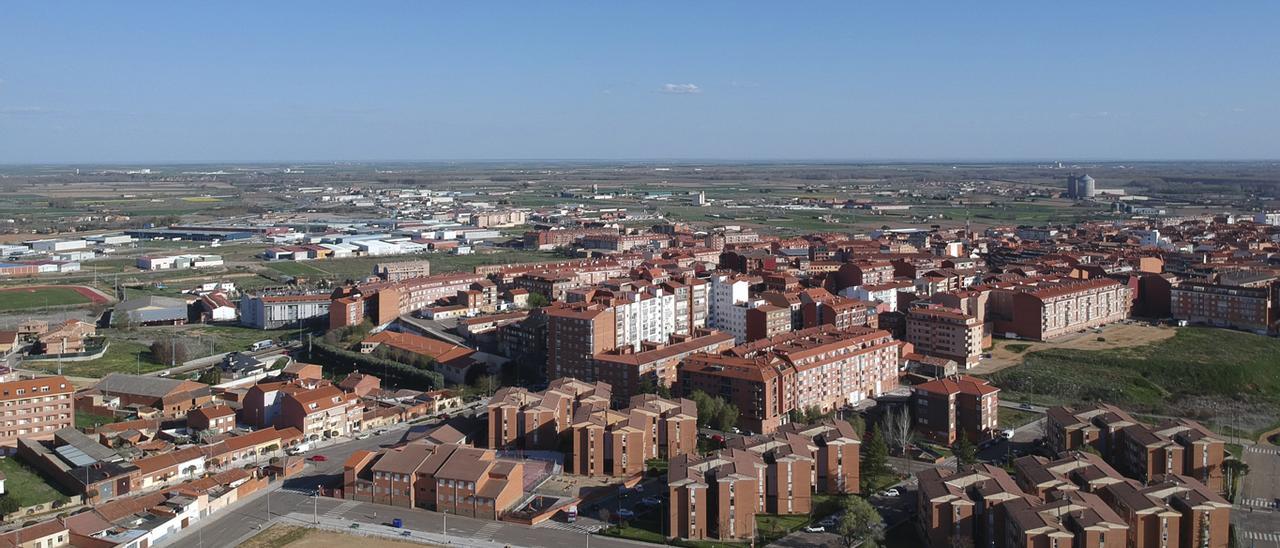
(75, 456)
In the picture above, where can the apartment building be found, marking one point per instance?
(945, 333)
(1172, 511)
(627, 316)
(766, 321)
(322, 412)
(762, 389)
(839, 312)
(385, 301)
(946, 409)
(35, 409)
(718, 496)
(1182, 447)
(654, 364)
(822, 367)
(1046, 309)
(280, 311)
(520, 419)
(1255, 309)
(217, 419)
(448, 477)
(617, 443)
(402, 270)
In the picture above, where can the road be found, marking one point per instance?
(1256, 514)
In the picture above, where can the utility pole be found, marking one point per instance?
(315, 498)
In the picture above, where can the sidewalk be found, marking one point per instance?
(341, 525)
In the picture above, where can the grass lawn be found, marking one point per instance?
(19, 299)
(647, 527)
(1188, 375)
(122, 356)
(89, 420)
(295, 268)
(25, 485)
(1013, 418)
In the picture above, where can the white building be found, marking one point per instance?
(1267, 218)
(57, 245)
(179, 262)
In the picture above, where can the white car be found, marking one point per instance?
(890, 493)
(815, 529)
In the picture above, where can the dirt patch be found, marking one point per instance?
(1008, 353)
(279, 536)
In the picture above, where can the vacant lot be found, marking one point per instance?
(279, 536)
(25, 485)
(1119, 335)
(38, 297)
(1227, 379)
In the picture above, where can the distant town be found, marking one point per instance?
(552, 354)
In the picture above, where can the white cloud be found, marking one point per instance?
(25, 110)
(681, 88)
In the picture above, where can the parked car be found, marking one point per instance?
(889, 493)
(1024, 406)
(317, 458)
(363, 435)
(814, 529)
(380, 431)
(1007, 434)
(651, 501)
(829, 521)
(626, 514)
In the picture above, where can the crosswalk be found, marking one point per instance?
(1258, 502)
(551, 524)
(299, 490)
(487, 532)
(341, 509)
(1265, 450)
(1268, 537)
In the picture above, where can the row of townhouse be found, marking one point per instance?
(718, 496)
(609, 442)
(520, 419)
(1075, 500)
(1142, 452)
(443, 477)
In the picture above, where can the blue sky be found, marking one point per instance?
(305, 81)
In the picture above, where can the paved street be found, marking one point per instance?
(1256, 513)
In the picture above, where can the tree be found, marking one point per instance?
(8, 505)
(486, 384)
(860, 523)
(1234, 470)
(649, 385)
(898, 432)
(876, 461)
(170, 352)
(538, 300)
(966, 452)
(714, 412)
(211, 376)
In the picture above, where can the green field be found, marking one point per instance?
(1227, 379)
(26, 485)
(20, 299)
(122, 356)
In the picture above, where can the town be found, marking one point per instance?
(1005, 357)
